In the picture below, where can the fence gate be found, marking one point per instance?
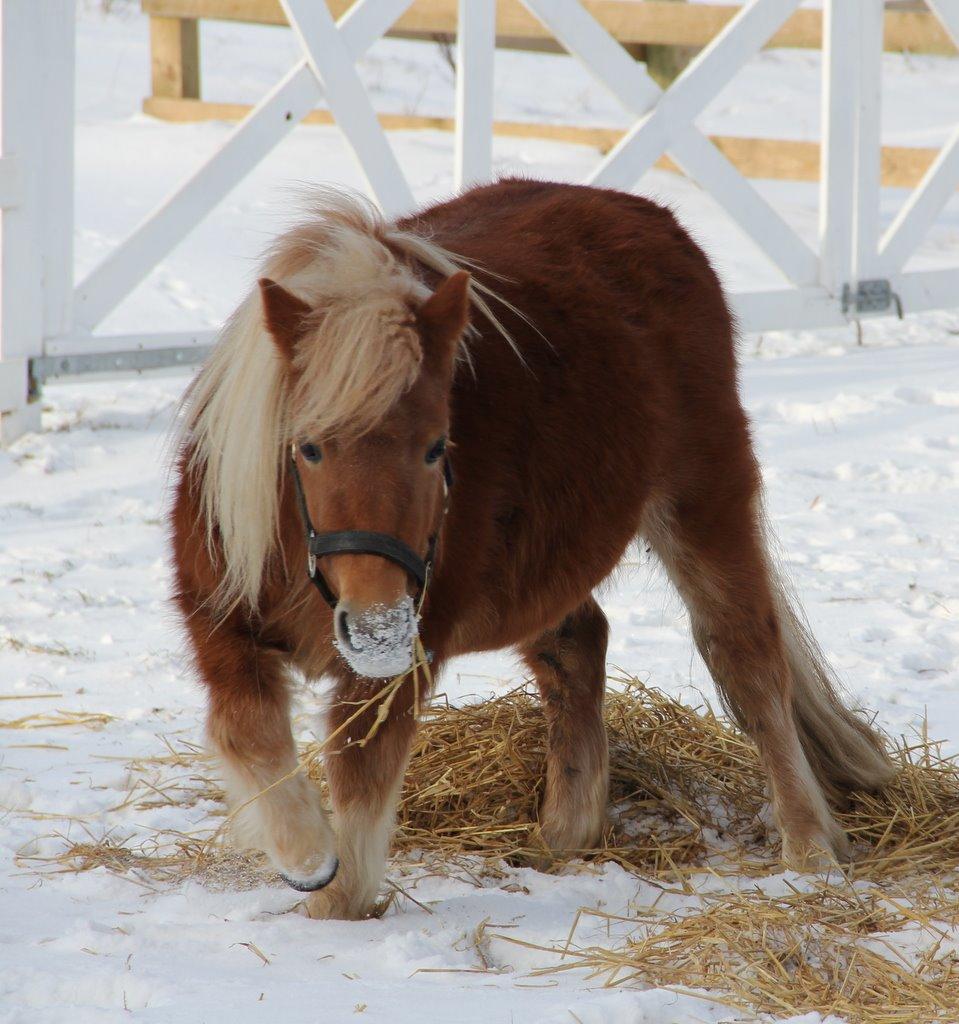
(48, 325)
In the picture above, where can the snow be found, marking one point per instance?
(379, 642)
(860, 453)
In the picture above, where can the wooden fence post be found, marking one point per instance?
(175, 57)
(666, 63)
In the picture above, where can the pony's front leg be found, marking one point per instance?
(276, 807)
(569, 663)
(365, 762)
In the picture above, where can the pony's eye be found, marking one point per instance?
(310, 452)
(437, 451)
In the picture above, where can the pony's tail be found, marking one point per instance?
(845, 751)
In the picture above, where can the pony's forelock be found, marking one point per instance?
(360, 352)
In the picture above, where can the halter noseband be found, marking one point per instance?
(365, 542)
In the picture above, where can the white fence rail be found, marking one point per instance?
(49, 324)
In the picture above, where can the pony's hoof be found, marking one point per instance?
(819, 853)
(334, 904)
(313, 883)
(544, 862)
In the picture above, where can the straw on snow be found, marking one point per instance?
(687, 797)
(836, 950)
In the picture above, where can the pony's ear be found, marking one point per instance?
(446, 312)
(283, 314)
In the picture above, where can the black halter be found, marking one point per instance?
(365, 542)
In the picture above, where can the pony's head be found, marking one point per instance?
(346, 353)
(368, 420)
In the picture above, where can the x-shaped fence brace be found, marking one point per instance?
(849, 242)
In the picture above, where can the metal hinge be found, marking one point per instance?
(874, 296)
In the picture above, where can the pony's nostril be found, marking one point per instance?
(377, 641)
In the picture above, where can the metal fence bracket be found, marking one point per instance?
(875, 296)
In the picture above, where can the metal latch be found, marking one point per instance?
(874, 296)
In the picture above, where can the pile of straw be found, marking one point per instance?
(476, 780)
(686, 789)
(688, 805)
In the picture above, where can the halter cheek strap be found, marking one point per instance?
(364, 542)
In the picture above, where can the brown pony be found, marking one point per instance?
(579, 382)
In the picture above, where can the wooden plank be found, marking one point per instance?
(263, 12)
(367, 21)
(917, 32)
(775, 159)
(175, 57)
(652, 21)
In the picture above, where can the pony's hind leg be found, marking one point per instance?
(569, 663)
(365, 758)
(715, 557)
(276, 807)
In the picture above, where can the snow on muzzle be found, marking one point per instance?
(376, 641)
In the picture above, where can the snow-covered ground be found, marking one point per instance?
(860, 448)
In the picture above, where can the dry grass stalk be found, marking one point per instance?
(54, 649)
(56, 719)
(689, 803)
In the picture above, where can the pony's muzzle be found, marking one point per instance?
(377, 641)
(313, 882)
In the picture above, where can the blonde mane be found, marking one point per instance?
(360, 354)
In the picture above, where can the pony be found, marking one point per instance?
(422, 438)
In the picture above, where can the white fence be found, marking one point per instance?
(48, 324)
(36, 194)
